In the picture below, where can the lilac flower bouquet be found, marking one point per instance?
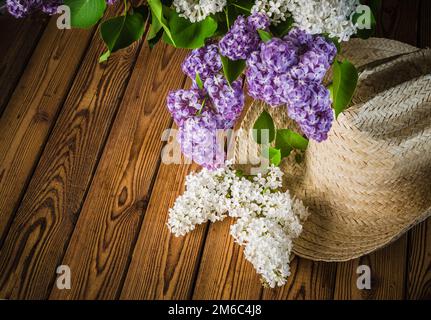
(274, 51)
(273, 54)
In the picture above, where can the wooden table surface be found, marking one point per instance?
(82, 183)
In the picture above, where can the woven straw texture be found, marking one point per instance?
(371, 180)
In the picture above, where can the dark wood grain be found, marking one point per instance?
(388, 271)
(33, 109)
(45, 219)
(113, 211)
(309, 280)
(398, 20)
(164, 266)
(19, 38)
(424, 33)
(419, 263)
(224, 273)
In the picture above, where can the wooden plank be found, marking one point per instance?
(224, 273)
(164, 266)
(19, 38)
(46, 217)
(398, 20)
(388, 270)
(310, 280)
(419, 267)
(104, 238)
(32, 111)
(424, 40)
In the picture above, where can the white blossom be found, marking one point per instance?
(267, 219)
(198, 10)
(277, 10)
(332, 17)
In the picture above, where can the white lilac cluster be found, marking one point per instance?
(332, 17)
(276, 10)
(198, 10)
(267, 219)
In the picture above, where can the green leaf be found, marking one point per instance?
(282, 28)
(345, 80)
(274, 156)
(287, 140)
(155, 27)
(221, 19)
(232, 69)
(199, 81)
(105, 56)
(264, 125)
(85, 13)
(264, 35)
(156, 8)
(186, 34)
(120, 32)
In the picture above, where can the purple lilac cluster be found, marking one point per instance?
(205, 61)
(290, 71)
(22, 8)
(243, 38)
(203, 114)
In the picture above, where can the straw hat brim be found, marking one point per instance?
(370, 181)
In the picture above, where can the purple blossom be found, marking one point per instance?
(312, 66)
(309, 104)
(322, 46)
(241, 40)
(50, 6)
(299, 38)
(279, 55)
(264, 83)
(227, 100)
(205, 61)
(204, 114)
(290, 71)
(22, 8)
(199, 140)
(183, 104)
(258, 21)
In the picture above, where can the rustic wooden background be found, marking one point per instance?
(81, 182)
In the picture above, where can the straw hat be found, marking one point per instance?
(371, 180)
